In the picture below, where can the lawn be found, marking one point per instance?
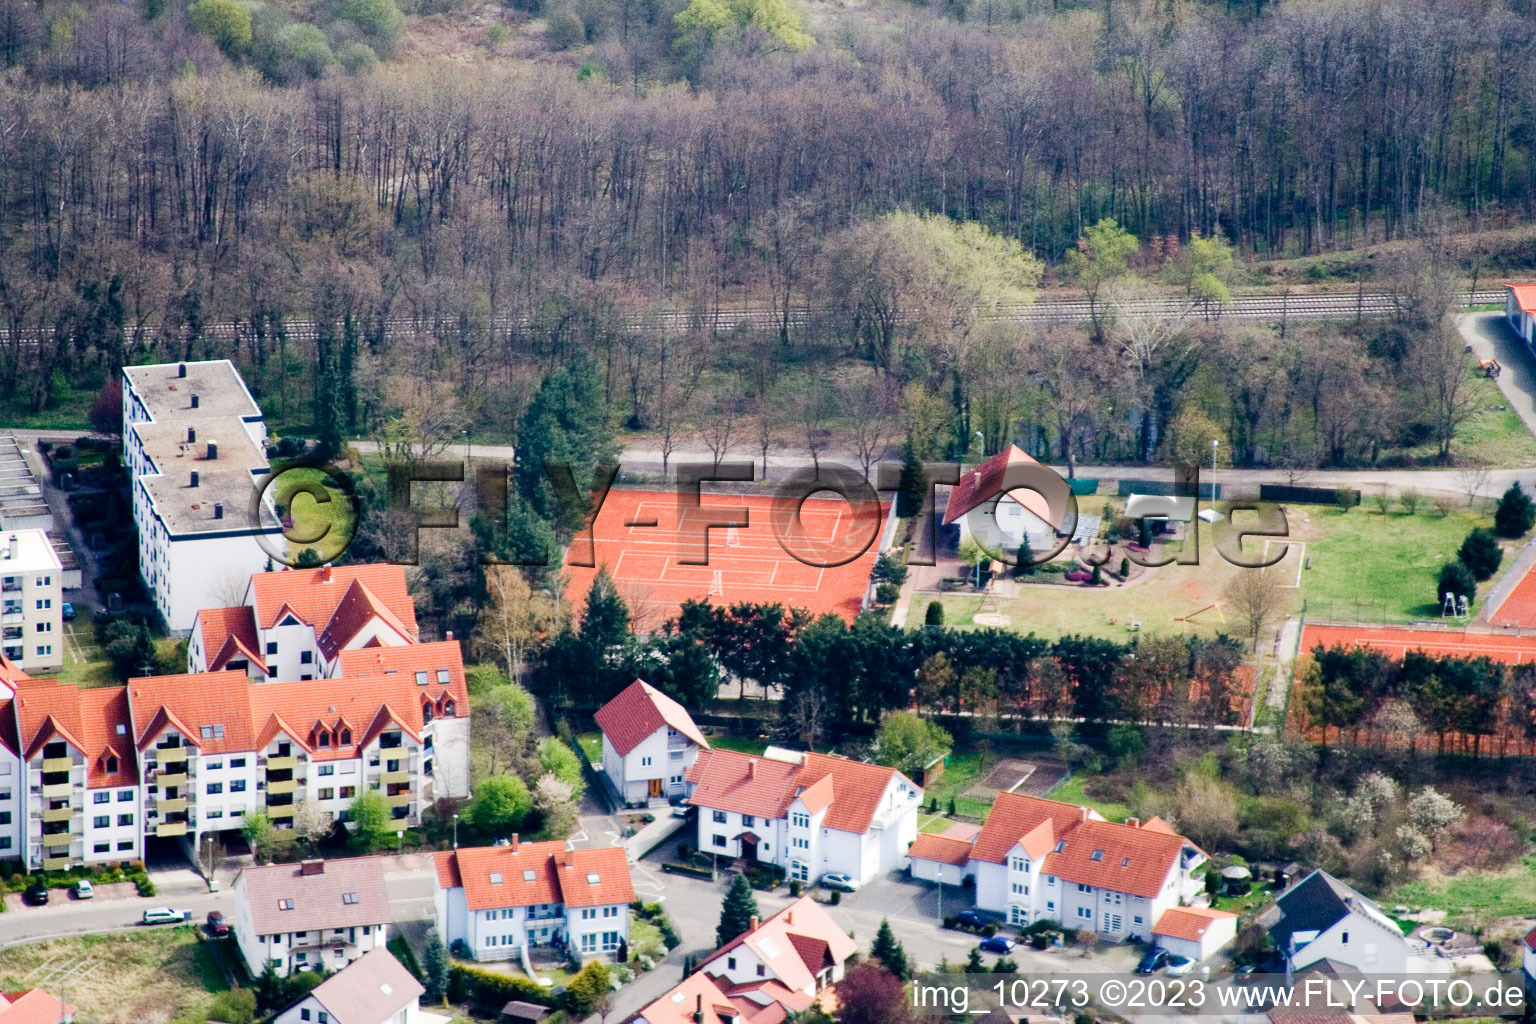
(332, 522)
(1371, 567)
(960, 773)
(149, 974)
(1475, 897)
(744, 744)
(592, 746)
(1072, 792)
(1494, 434)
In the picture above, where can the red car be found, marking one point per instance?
(217, 924)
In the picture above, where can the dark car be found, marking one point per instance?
(37, 894)
(67, 611)
(1153, 962)
(217, 923)
(997, 944)
(970, 919)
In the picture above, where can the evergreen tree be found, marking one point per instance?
(1481, 554)
(888, 951)
(434, 964)
(565, 425)
(911, 488)
(1026, 566)
(1516, 513)
(736, 911)
(935, 614)
(973, 963)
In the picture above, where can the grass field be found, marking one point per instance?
(1385, 566)
(960, 774)
(592, 746)
(1071, 792)
(150, 974)
(1494, 434)
(744, 744)
(1475, 897)
(334, 519)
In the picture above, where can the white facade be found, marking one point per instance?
(1024, 893)
(1521, 320)
(12, 801)
(1360, 940)
(310, 1010)
(326, 948)
(31, 599)
(1002, 527)
(501, 933)
(658, 767)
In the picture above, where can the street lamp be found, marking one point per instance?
(455, 830)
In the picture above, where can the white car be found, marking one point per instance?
(84, 890)
(1179, 965)
(839, 880)
(165, 915)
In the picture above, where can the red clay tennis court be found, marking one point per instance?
(1511, 650)
(1519, 608)
(637, 535)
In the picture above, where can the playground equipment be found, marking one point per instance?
(1214, 604)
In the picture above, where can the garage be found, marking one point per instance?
(1195, 932)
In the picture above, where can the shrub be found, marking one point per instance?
(236, 1006)
(142, 882)
(950, 920)
(1481, 554)
(564, 30)
(887, 593)
(492, 991)
(1456, 578)
(1346, 498)
(303, 48)
(935, 614)
(357, 58)
(988, 930)
(1410, 500)
(837, 897)
(1040, 940)
(684, 850)
(1516, 513)
(1125, 568)
(795, 888)
(889, 569)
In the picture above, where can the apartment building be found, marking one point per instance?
(194, 447)
(97, 775)
(295, 623)
(649, 743)
(69, 783)
(1037, 859)
(807, 813)
(31, 599)
(500, 901)
(315, 915)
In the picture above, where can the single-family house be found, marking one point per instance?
(312, 915)
(1194, 932)
(1321, 918)
(994, 511)
(494, 902)
(1037, 860)
(1520, 311)
(373, 989)
(809, 813)
(649, 743)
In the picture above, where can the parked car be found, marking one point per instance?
(165, 915)
(36, 894)
(839, 880)
(971, 918)
(681, 810)
(83, 889)
(67, 611)
(1245, 972)
(1179, 965)
(1155, 958)
(218, 924)
(997, 944)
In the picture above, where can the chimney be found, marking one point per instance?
(1082, 815)
(753, 923)
(789, 915)
(191, 435)
(181, 369)
(1133, 822)
(218, 510)
(698, 1009)
(449, 635)
(213, 450)
(325, 573)
(514, 842)
(193, 482)
(751, 768)
(312, 867)
(194, 400)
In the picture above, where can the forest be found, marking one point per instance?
(409, 247)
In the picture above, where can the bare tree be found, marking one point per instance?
(871, 402)
(515, 621)
(1257, 599)
(723, 428)
(812, 407)
(1472, 477)
(808, 712)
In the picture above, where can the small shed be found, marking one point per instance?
(520, 1012)
(933, 771)
(1285, 874)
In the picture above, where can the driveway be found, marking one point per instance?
(1489, 336)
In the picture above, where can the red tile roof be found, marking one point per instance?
(45, 709)
(193, 702)
(228, 633)
(95, 722)
(851, 790)
(940, 849)
(638, 711)
(8, 735)
(782, 941)
(314, 594)
(1189, 922)
(529, 874)
(1525, 296)
(1015, 816)
(319, 899)
(33, 1006)
(359, 606)
(1122, 858)
(697, 992)
(987, 481)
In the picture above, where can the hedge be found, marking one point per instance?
(493, 991)
(687, 869)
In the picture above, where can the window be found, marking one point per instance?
(125, 819)
(124, 845)
(1084, 888)
(237, 786)
(102, 848)
(762, 972)
(798, 870)
(304, 1014)
(325, 738)
(748, 820)
(1019, 864)
(44, 627)
(1020, 889)
(588, 913)
(730, 963)
(645, 762)
(1084, 913)
(328, 794)
(324, 1017)
(589, 943)
(214, 788)
(348, 792)
(213, 814)
(213, 766)
(421, 678)
(327, 769)
(719, 817)
(1345, 937)
(45, 603)
(103, 798)
(237, 762)
(442, 676)
(43, 650)
(5, 842)
(285, 904)
(306, 657)
(271, 646)
(800, 843)
(346, 735)
(610, 911)
(1137, 919)
(1050, 904)
(350, 898)
(103, 821)
(719, 840)
(1097, 855)
(800, 820)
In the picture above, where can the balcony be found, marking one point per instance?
(171, 755)
(395, 778)
(61, 814)
(57, 863)
(170, 828)
(282, 764)
(283, 786)
(58, 764)
(176, 806)
(398, 800)
(59, 791)
(275, 811)
(171, 777)
(58, 839)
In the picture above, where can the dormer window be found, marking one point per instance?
(426, 712)
(448, 709)
(345, 736)
(324, 739)
(111, 765)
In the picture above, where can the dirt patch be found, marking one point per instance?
(1006, 776)
(139, 975)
